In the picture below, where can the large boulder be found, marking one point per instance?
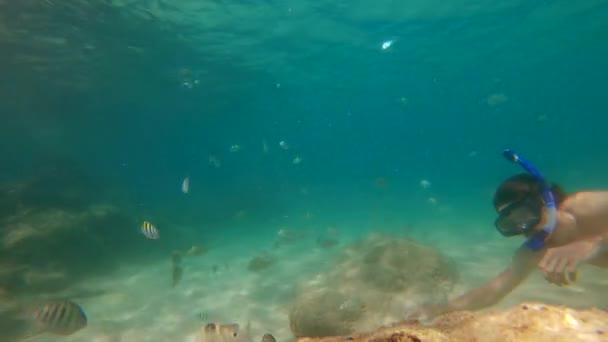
(373, 281)
(325, 312)
(389, 264)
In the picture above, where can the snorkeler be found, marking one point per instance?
(563, 231)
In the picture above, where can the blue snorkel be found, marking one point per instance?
(537, 241)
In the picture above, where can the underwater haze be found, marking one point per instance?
(262, 139)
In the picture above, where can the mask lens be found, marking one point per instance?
(518, 218)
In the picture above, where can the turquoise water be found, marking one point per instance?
(116, 102)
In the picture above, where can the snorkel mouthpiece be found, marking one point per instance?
(537, 241)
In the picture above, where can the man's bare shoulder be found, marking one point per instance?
(584, 203)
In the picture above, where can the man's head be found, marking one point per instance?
(519, 203)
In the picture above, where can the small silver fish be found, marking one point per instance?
(387, 44)
(149, 231)
(186, 185)
(61, 317)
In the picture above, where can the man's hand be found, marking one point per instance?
(559, 264)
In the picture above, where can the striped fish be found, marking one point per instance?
(61, 317)
(149, 230)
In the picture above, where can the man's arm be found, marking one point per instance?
(491, 293)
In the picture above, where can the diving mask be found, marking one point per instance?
(510, 224)
(519, 217)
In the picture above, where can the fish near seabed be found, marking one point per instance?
(176, 275)
(62, 317)
(149, 231)
(216, 332)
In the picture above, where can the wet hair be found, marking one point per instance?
(522, 186)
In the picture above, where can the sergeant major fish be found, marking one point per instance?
(149, 231)
(60, 317)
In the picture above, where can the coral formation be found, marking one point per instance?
(533, 322)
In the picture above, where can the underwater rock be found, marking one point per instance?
(536, 322)
(324, 312)
(389, 264)
(376, 278)
(399, 264)
(56, 183)
(45, 249)
(527, 322)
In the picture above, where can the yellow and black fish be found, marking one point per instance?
(61, 317)
(149, 231)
